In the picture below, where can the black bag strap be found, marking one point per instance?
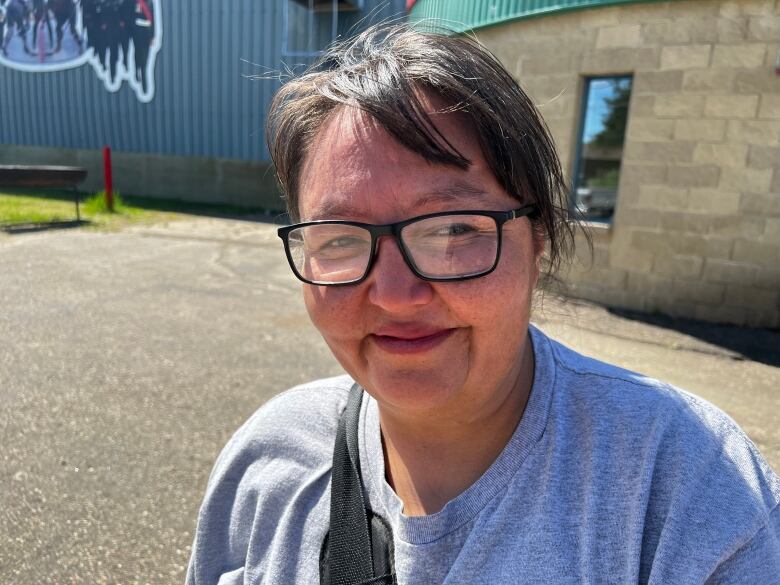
(358, 549)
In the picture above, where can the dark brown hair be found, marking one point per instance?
(383, 71)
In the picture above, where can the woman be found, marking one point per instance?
(429, 202)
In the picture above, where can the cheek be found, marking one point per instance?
(332, 310)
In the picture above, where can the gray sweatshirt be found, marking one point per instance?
(610, 477)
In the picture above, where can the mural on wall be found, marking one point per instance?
(119, 38)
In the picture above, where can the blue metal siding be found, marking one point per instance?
(204, 103)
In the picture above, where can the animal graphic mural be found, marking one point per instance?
(119, 38)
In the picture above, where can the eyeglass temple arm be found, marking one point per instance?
(531, 211)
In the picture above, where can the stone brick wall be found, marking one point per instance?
(696, 232)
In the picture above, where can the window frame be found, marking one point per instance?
(335, 10)
(580, 144)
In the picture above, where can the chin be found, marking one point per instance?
(412, 391)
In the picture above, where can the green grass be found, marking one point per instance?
(35, 207)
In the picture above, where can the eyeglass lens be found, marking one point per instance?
(439, 247)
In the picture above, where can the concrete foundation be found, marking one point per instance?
(202, 180)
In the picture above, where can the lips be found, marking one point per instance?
(410, 341)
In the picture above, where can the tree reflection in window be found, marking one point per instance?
(600, 147)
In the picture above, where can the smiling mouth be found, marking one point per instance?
(411, 345)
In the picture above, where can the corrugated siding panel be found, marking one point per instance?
(205, 104)
(462, 15)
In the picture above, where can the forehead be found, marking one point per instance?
(356, 170)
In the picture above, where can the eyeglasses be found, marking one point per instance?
(446, 246)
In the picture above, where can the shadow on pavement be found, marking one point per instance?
(760, 345)
(26, 228)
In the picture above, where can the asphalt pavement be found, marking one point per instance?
(128, 358)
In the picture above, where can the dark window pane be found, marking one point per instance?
(600, 148)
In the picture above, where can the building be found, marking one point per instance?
(667, 120)
(178, 89)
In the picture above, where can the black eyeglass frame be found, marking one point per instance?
(394, 230)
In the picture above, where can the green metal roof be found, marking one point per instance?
(462, 15)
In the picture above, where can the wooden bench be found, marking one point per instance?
(44, 177)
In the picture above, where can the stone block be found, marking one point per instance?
(642, 13)
(728, 271)
(691, 223)
(687, 289)
(642, 218)
(732, 30)
(742, 225)
(770, 106)
(633, 174)
(665, 244)
(666, 32)
(750, 297)
(731, 106)
(642, 105)
(554, 63)
(772, 230)
(767, 277)
(726, 154)
(712, 80)
(620, 61)
(605, 278)
(772, 52)
(600, 17)
(750, 7)
(659, 152)
(693, 175)
(657, 82)
(713, 201)
(623, 35)
(705, 246)
(678, 266)
(704, 30)
(685, 56)
(647, 284)
(653, 241)
(763, 157)
(774, 187)
(743, 56)
(763, 253)
(744, 179)
(679, 106)
(650, 129)
(700, 130)
(764, 28)
(763, 132)
(749, 81)
(662, 197)
(625, 257)
(765, 204)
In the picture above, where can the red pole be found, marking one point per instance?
(108, 178)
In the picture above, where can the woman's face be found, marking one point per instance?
(418, 346)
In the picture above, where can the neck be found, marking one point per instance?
(433, 458)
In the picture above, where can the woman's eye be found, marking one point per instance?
(340, 243)
(458, 229)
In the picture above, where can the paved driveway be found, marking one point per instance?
(127, 359)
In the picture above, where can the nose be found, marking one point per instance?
(392, 284)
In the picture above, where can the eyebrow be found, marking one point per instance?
(453, 192)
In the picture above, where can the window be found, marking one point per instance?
(600, 146)
(311, 25)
